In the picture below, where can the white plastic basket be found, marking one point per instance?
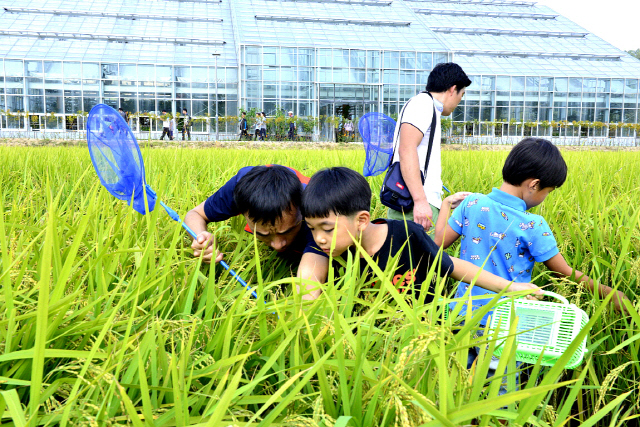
(545, 328)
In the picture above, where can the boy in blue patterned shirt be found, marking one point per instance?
(497, 228)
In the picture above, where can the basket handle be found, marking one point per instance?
(556, 296)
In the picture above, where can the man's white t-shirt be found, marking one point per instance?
(418, 111)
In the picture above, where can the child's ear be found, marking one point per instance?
(534, 184)
(362, 220)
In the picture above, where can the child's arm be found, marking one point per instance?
(445, 236)
(465, 271)
(559, 265)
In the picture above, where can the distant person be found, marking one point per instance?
(263, 126)
(124, 115)
(167, 126)
(243, 127)
(445, 88)
(258, 126)
(348, 128)
(292, 126)
(186, 124)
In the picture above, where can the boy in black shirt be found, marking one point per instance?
(336, 205)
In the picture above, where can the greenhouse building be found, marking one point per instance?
(532, 69)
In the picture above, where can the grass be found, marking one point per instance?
(107, 319)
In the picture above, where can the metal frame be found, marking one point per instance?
(119, 38)
(514, 32)
(358, 2)
(489, 13)
(337, 21)
(485, 2)
(132, 16)
(550, 55)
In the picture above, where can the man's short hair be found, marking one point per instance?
(184, 109)
(120, 108)
(535, 158)
(244, 114)
(339, 190)
(266, 192)
(164, 111)
(445, 75)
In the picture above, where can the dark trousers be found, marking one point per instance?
(187, 131)
(166, 131)
(244, 133)
(258, 134)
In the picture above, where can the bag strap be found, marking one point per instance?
(431, 136)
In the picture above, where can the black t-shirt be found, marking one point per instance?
(416, 256)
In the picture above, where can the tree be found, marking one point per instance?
(634, 53)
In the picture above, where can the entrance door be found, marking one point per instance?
(341, 102)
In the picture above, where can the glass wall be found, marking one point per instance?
(72, 88)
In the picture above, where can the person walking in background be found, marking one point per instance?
(292, 126)
(243, 127)
(263, 127)
(186, 124)
(123, 114)
(166, 126)
(348, 128)
(258, 126)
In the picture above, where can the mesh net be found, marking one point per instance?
(116, 157)
(377, 131)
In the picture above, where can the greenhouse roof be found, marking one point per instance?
(485, 36)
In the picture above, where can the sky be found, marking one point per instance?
(615, 21)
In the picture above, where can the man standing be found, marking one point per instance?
(123, 114)
(243, 127)
(446, 84)
(292, 126)
(166, 126)
(186, 124)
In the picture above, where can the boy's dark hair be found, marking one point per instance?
(184, 109)
(164, 111)
(339, 190)
(445, 75)
(266, 192)
(244, 114)
(120, 109)
(535, 158)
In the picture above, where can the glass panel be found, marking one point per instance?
(54, 104)
(252, 55)
(90, 71)
(287, 56)
(163, 73)
(546, 84)
(533, 84)
(270, 56)
(35, 104)
(617, 86)
(324, 57)
(183, 74)
(631, 86)
(358, 59)
(15, 103)
(440, 57)
(110, 71)
(562, 84)
(408, 60)
(88, 104)
(53, 70)
(34, 68)
(13, 68)
(502, 83)
(340, 58)
(589, 85)
(391, 59)
(425, 61)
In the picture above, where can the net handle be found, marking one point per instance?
(556, 296)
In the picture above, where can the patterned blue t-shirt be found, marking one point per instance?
(499, 235)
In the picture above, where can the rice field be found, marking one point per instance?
(106, 319)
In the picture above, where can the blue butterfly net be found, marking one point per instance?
(117, 159)
(377, 131)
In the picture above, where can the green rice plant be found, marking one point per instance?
(107, 319)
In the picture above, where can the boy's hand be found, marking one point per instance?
(204, 242)
(537, 295)
(455, 199)
(616, 300)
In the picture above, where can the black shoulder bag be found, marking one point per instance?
(394, 192)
